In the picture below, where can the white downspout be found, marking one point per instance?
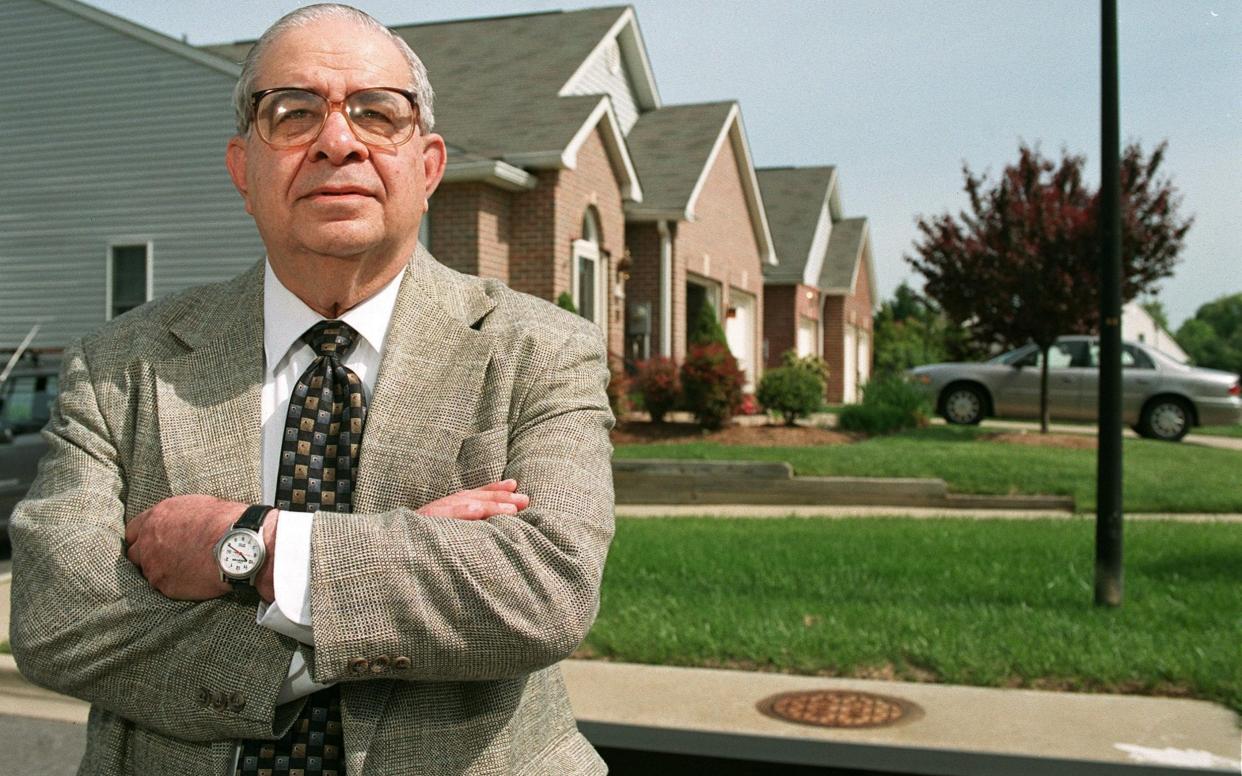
(666, 289)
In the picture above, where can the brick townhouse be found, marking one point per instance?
(818, 300)
(700, 236)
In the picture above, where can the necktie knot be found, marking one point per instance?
(333, 339)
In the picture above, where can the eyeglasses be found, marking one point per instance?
(287, 117)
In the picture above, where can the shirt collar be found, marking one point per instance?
(286, 317)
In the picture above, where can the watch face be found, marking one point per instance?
(240, 554)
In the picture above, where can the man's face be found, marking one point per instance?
(337, 196)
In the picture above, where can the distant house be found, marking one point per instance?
(700, 236)
(819, 298)
(1137, 325)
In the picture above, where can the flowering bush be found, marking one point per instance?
(712, 383)
(750, 405)
(658, 384)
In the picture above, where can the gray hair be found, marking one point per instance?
(310, 14)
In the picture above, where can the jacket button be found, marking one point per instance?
(359, 665)
(218, 701)
(401, 663)
(237, 702)
(204, 696)
(379, 665)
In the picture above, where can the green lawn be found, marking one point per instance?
(1158, 476)
(1226, 431)
(981, 602)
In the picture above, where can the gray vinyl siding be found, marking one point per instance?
(597, 79)
(108, 140)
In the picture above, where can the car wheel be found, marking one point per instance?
(1166, 418)
(963, 405)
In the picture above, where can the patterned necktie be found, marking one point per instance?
(318, 468)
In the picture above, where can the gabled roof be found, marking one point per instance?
(497, 79)
(799, 201)
(674, 149)
(848, 248)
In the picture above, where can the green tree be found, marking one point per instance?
(1023, 264)
(910, 330)
(1213, 337)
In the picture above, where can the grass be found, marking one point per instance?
(978, 602)
(1158, 476)
(1225, 431)
(5, 649)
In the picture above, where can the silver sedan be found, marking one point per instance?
(1162, 398)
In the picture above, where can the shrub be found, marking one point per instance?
(712, 383)
(813, 364)
(657, 382)
(618, 385)
(566, 302)
(706, 329)
(791, 391)
(889, 404)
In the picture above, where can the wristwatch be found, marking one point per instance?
(240, 552)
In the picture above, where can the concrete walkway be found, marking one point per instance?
(771, 511)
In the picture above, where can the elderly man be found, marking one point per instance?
(403, 469)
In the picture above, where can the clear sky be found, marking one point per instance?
(898, 94)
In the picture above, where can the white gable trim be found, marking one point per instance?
(732, 129)
(830, 211)
(159, 40)
(605, 119)
(633, 57)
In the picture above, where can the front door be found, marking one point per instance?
(740, 333)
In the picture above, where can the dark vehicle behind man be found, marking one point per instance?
(26, 398)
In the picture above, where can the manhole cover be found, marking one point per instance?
(838, 708)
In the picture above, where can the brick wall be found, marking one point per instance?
(840, 312)
(592, 183)
(783, 306)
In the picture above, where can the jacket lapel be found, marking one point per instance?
(431, 378)
(208, 396)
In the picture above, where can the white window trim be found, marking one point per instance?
(126, 242)
(585, 249)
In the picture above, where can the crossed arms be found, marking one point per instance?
(464, 599)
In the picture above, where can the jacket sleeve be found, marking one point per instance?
(398, 595)
(86, 623)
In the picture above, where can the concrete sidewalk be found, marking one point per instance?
(772, 511)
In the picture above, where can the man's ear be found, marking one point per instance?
(435, 157)
(235, 161)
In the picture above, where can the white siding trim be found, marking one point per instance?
(491, 171)
(614, 141)
(666, 289)
(734, 130)
(819, 247)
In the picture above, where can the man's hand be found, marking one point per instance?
(497, 498)
(172, 544)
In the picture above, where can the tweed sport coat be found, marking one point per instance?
(443, 634)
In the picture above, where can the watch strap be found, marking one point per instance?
(252, 518)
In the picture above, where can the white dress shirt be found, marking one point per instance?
(285, 319)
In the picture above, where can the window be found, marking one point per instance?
(129, 277)
(589, 272)
(1061, 355)
(1131, 357)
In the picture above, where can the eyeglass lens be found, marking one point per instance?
(292, 117)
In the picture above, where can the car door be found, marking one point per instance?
(1017, 391)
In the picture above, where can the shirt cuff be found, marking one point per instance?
(298, 682)
(290, 613)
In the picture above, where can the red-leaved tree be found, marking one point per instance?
(1023, 265)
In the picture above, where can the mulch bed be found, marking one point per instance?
(638, 432)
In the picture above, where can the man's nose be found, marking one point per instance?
(337, 142)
